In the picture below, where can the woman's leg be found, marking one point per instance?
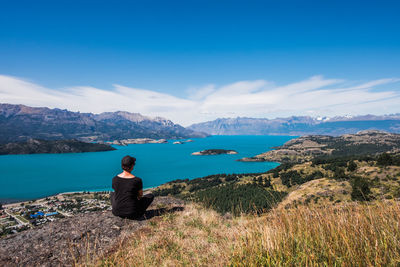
(145, 202)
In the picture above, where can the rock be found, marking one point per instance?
(62, 241)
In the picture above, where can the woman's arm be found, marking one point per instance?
(140, 194)
(140, 187)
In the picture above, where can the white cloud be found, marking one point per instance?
(200, 93)
(315, 96)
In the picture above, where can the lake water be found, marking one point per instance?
(24, 177)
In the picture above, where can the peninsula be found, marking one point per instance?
(36, 146)
(125, 142)
(308, 147)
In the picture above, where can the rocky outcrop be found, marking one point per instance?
(67, 241)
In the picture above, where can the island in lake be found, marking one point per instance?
(36, 146)
(182, 142)
(213, 152)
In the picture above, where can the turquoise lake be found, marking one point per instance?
(24, 177)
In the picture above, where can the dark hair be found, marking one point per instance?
(127, 163)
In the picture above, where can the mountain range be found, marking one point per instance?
(21, 123)
(299, 125)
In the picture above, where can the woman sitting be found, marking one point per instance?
(127, 199)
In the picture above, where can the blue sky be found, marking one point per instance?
(177, 48)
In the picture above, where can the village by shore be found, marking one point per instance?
(20, 216)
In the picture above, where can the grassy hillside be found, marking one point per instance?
(308, 147)
(356, 234)
(318, 181)
(333, 208)
(233, 193)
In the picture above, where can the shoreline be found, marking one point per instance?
(18, 202)
(112, 145)
(9, 200)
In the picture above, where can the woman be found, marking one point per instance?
(127, 199)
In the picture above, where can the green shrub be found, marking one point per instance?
(384, 159)
(360, 189)
(239, 198)
(352, 166)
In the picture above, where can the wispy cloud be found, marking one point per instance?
(315, 96)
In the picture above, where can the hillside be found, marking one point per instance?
(186, 234)
(300, 125)
(307, 147)
(320, 181)
(332, 236)
(317, 169)
(331, 208)
(34, 146)
(20, 123)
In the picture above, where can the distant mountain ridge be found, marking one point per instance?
(299, 125)
(21, 123)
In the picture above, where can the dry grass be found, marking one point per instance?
(193, 237)
(350, 235)
(347, 235)
(321, 191)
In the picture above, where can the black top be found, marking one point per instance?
(125, 197)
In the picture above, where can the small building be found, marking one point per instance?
(39, 213)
